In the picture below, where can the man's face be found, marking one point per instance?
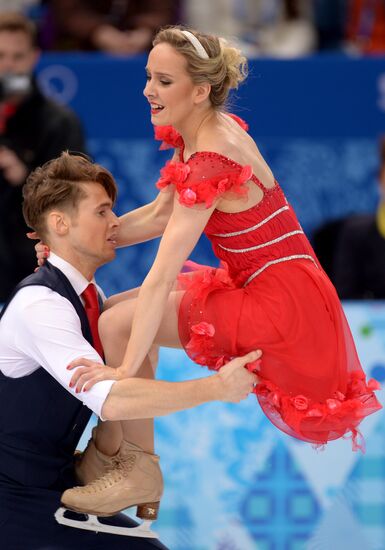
(93, 228)
(17, 55)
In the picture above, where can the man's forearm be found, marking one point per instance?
(134, 398)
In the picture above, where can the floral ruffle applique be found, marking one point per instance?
(339, 413)
(169, 137)
(240, 121)
(201, 346)
(202, 190)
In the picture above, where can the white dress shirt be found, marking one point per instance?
(41, 328)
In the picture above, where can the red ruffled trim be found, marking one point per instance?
(205, 190)
(205, 278)
(335, 417)
(240, 121)
(169, 137)
(200, 347)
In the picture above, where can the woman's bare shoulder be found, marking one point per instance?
(228, 144)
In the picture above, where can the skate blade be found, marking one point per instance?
(93, 524)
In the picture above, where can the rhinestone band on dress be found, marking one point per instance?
(235, 233)
(279, 260)
(277, 240)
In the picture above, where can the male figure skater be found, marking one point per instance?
(48, 322)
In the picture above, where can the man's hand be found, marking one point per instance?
(236, 380)
(14, 170)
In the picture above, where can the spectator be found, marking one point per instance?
(279, 28)
(112, 26)
(366, 26)
(33, 130)
(329, 19)
(17, 5)
(324, 241)
(360, 251)
(291, 34)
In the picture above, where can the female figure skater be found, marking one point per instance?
(270, 292)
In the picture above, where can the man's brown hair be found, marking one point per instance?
(57, 184)
(16, 22)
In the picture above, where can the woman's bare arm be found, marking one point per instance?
(179, 239)
(147, 222)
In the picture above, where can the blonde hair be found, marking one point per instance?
(224, 69)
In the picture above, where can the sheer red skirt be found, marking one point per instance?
(311, 384)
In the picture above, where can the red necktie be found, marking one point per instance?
(91, 305)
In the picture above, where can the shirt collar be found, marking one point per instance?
(77, 280)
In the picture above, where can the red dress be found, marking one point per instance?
(270, 293)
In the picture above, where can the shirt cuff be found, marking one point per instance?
(94, 398)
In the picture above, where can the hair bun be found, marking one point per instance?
(235, 62)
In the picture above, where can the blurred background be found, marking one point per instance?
(315, 104)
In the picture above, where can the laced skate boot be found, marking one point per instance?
(135, 480)
(91, 463)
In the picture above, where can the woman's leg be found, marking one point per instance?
(121, 297)
(109, 435)
(115, 327)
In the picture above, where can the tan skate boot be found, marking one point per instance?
(135, 480)
(91, 463)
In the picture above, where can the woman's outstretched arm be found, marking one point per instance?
(183, 230)
(147, 222)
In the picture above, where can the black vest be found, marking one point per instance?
(40, 421)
